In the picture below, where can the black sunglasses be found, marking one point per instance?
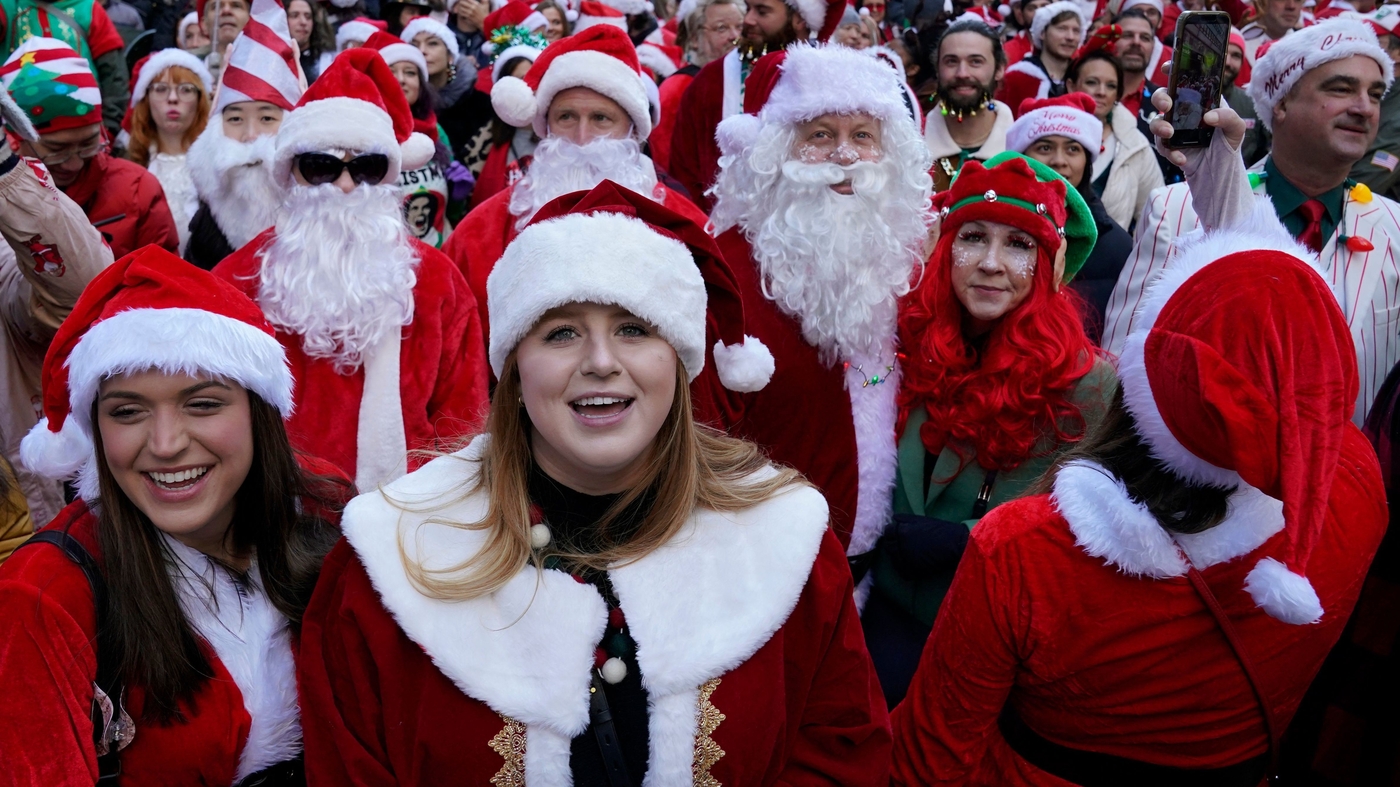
(320, 168)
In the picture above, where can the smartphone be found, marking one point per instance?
(1198, 74)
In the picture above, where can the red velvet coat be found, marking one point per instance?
(694, 154)
(671, 91)
(442, 366)
(748, 642)
(114, 188)
(1074, 608)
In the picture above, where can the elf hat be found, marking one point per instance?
(600, 58)
(1042, 18)
(393, 50)
(614, 246)
(359, 29)
(1278, 69)
(592, 13)
(1241, 369)
(356, 105)
(155, 64)
(1070, 115)
(53, 85)
(513, 14)
(429, 25)
(148, 310)
(509, 43)
(1024, 193)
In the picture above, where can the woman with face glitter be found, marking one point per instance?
(999, 378)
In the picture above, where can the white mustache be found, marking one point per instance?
(866, 177)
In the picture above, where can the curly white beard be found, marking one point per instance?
(339, 271)
(562, 167)
(837, 263)
(235, 179)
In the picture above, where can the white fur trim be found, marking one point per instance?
(629, 7)
(1031, 69)
(830, 78)
(1303, 50)
(1283, 594)
(1157, 4)
(1260, 231)
(192, 18)
(1080, 126)
(425, 24)
(405, 53)
(733, 100)
(596, 71)
(535, 22)
(514, 101)
(698, 607)
(381, 450)
(508, 54)
(586, 21)
(813, 12)
(164, 59)
(416, 151)
(744, 367)
(254, 643)
(737, 133)
(604, 258)
(874, 410)
(1042, 18)
(353, 31)
(55, 454)
(658, 61)
(336, 122)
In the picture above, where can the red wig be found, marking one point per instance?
(1005, 397)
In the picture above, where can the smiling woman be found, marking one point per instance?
(169, 609)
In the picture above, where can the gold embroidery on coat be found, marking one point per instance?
(707, 752)
(510, 744)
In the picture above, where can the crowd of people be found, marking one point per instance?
(620, 393)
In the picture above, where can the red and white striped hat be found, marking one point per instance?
(261, 64)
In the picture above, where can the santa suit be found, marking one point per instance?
(747, 639)
(482, 237)
(716, 93)
(436, 386)
(1367, 284)
(670, 92)
(1017, 47)
(235, 724)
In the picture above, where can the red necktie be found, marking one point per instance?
(1312, 234)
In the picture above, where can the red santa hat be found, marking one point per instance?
(148, 310)
(976, 13)
(358, 29)
(394, 50)
(1246, 70)
(1116, 7)
(153, 65)
(1278, 68)
(662, 60)
(805, 82)
(600, 58)
(431, 26)
(821, 16)
(1070, 115)
(1241, 370)
(513, 14)
(262, 64)
(630, 7)
(614, 246)
(1042, 18)
(592, 14)
(356, 104)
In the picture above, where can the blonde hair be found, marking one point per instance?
(691, 466)
(143, 127)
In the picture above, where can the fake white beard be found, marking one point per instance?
(340, 271)
(235, 179)
(562, 167)
(836, 263)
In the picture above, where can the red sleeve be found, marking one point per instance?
(694, 155)
(47, 664)
(670, 92)
(155, 224)
(102, 35)
(459, 400)
(942, 728)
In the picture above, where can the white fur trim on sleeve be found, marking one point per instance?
(744, 367)
(1286, 596)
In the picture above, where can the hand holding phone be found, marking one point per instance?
(1197, 76)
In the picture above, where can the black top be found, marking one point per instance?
(207, 246)
(1095, 281)
(572, 518)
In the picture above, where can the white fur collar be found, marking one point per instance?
(941, 143)
(1109, 524)
(698, 607)
(874, 410)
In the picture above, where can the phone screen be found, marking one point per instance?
(1197, 75)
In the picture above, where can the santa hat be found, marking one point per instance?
(1240, 370)
(976, 13)
(1246, 70)
(262, 64)
(806, 81)
(52, 85)
(1044, 15)
(1116, 7)
(1278, 69)
(434, 28)
(511, 15)
(508, 44)
(148, 310)
(356, 104)
(821, 16)
(359, 29)
(1070, 115)
(661, 59)
(630, 7)
(600, 58)
(592, 14)
(155, 64)
(616, 247)
(182, 32)
(1024, 193)
(394, 51)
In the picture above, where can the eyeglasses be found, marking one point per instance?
(725, 30)
(321, 168)
(56, 158)
(184, 89)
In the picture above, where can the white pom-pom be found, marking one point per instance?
(416, 151)
(864, 11)
(488, 48)
(514, 101)
(1003, 10)
(744, 367)
(343, 3)
(539, 536)
(1283, 594)
(614, 670)
(56, 455)
(737, 133)
(571, 15)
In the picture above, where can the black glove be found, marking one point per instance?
(923, 545)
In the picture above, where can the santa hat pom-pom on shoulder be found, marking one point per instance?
(514, 101)
(55, 454)
(1286, 596)
(745, 367)
(416, 151)
(737, 133)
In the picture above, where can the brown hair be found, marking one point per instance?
(143, 127)
(152, 643)
(691, 467)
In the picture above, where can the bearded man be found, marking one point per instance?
(966, 123)
(718, 89)
(822, 212)
(587, 101)
(380, 329)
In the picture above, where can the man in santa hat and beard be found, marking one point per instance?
(822, 207)
(380, 329)
(587, 99)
